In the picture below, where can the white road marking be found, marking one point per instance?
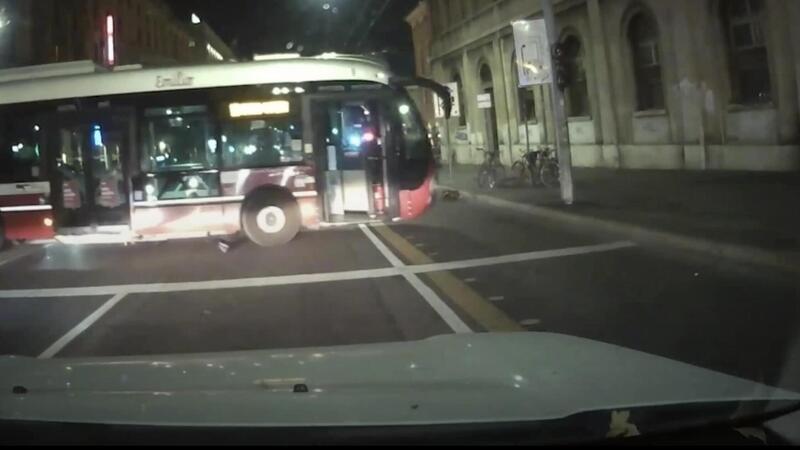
(203, 285)
(497, 298)
(470, 280)
(435, 302)
(398, 269)
(81, 327)
(530, 322)
(523, 257)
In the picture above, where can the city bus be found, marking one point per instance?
(262, 149)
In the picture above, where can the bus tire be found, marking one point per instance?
(270, 217)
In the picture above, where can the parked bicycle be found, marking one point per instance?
(491, 171)
(540, 167)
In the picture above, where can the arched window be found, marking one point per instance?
(743, 25)
(643, 39)
(486, 76)
(526, 105)
(462, 118)
(577, 92)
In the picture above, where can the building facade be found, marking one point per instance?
(108, 32)
(654, 84)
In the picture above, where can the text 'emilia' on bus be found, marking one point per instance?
(266, 148)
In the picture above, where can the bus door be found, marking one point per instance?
(90, 152)
(347, 135)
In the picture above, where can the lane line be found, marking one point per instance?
(467, 299)
(203, 285)
(523, 257)
(448, 315)
(81, 327)
(426, 266)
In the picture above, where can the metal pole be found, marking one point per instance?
(559, 116)
(449, 148)
(525, 121)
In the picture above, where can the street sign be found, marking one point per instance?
(533, 52)
(439, 106)
(484, 101)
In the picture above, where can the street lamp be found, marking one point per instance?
(195, 19)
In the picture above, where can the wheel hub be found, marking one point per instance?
(271, 219)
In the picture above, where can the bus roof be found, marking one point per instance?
(85, 79)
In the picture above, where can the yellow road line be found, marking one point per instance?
(484, 313)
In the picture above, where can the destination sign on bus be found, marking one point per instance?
(255, 109)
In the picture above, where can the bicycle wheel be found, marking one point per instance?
(484, 176)
(519, 172)
(488, 178)
(498, 175)
(550, 174)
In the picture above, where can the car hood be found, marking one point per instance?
(444, 380)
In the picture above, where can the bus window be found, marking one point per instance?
(262, 134)
(20, 152)
(413, 133)
(178, 139)
(357, 128)
(416, 154)
(175, 141)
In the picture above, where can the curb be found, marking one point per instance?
(639, 234)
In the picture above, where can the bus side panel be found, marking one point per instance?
(30, 225)
(413, 203)
(27, 225)
(153, 221)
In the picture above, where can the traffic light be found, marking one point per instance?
(561, 66)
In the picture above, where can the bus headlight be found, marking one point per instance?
(48, 222)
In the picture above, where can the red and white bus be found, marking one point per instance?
(265, 148)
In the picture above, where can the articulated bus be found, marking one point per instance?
(263, 148)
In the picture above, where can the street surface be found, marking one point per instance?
(462, 268)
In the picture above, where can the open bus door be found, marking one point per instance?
(347, 132)
(371, 151)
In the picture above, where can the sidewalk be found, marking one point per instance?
(750, 216)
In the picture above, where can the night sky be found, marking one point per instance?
(270, 26)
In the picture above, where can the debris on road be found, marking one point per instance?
(451, 195)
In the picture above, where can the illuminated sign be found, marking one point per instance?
(111, 56)
(252, 109)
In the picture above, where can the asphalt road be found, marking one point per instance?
(462, 268)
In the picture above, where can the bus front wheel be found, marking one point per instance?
(270, 218)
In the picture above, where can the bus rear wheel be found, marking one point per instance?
(270, 218)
